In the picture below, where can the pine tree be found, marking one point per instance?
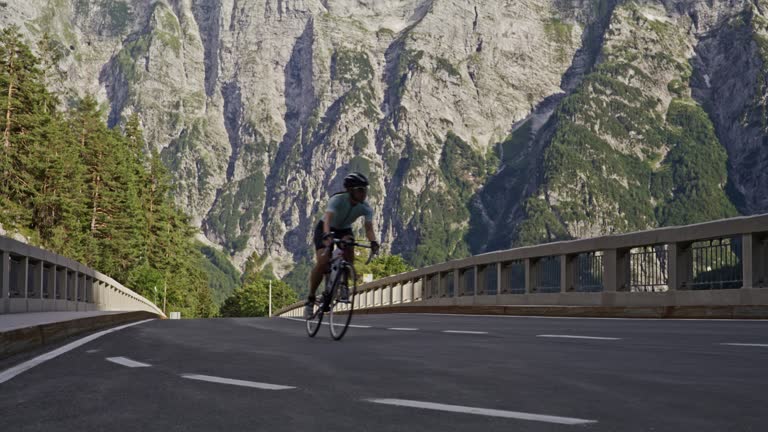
(92, 193)
(23, 99)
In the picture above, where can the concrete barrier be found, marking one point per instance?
(26, 338)
(36, 280)
(713, 269)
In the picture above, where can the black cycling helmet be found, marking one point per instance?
(355, 179)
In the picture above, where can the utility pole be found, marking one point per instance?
(270, 299)
(165, 295)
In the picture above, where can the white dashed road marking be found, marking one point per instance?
(29, 364)
(237, 382)
(124, 361)
(746, 344)
(464, 332)
(577, 337)
(402, 329)
(482, 411)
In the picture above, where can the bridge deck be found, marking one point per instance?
(403, 372)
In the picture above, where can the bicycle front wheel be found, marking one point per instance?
(343, 303)
(314, 321)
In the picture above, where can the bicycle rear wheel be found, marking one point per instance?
(341, 310)
(314, 321)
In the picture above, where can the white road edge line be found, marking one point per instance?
(576, 337)
(583, 318)
(746, 344)
(465, 332)
(402, 329)
(482, 411)
(237, 382)
(124, 361)
(29, 364)
(325, 323)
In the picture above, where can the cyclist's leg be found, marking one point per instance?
(321, 262)
(321, 265)
(349, 251)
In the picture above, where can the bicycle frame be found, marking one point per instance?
(339, 266)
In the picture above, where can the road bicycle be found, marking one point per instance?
(338, 298)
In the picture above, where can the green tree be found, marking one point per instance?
(94, 194)
(256, 269)
(24, 102)
(252, 300)
(381, 266)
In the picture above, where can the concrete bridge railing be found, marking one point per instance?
(720, 263)
(36, 280)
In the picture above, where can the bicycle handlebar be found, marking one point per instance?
(350, 243)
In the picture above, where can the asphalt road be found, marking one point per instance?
(507, 374)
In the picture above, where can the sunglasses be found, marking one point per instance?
(360, 188)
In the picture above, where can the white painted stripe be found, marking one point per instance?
(482, 411)
(29, 364)
(402, 329)
(576, 337)
(325, 323)
(746, 344)
(237, 382)
(464, 332)
(720, 320)
(124, 361)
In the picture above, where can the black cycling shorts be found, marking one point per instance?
(337, 233)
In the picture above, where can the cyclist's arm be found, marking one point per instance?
(369, 231)
(369, 224)
(327, 222)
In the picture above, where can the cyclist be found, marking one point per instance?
(343, 210)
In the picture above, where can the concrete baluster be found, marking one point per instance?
(753, 253)
(456, 282)
(680, 261)
(530, 282)
(5, 282)
(566, 273)
(499, 278)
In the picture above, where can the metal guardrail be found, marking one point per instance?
(717, 263)
(36, 280)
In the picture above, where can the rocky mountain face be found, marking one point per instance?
(482, 123)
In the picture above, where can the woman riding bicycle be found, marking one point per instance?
(342, 211)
